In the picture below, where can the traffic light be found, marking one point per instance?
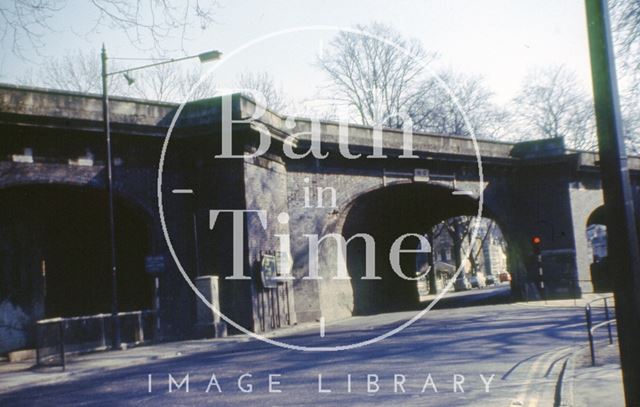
(536, 242)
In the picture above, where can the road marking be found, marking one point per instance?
(182, 191)
(549, 389)
(530, 395)
(322, 327)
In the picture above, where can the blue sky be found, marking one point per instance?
(498, 39)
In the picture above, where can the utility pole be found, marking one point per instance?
(622, 241)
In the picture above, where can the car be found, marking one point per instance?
(477, 280)
(462, 284)
(490, 279)
(505, 277)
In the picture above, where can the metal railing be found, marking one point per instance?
(591, 328)
(58, 337)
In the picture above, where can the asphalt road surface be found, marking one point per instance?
(488, 355)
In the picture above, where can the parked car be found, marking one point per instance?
(490, 279)
(462, 284)
(505, 277)
(477, 280)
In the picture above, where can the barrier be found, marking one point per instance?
(591, 328)
(58, 337)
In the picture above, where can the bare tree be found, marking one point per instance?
(25, 23)
(81, 71)
(441, 108)
(376, 75)
(162, 82)
(383, 78)
(626, 23)
(76, 71)
(551, 104)
(192, 85)
(630, 106)
(264, 84)
(459, 231)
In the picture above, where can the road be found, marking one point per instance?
(522, 346)
(496, 294)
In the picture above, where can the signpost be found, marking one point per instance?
(156, 265)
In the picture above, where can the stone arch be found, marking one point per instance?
(386, 213)
(596, 234)
(584, 204)
(54, 253)
(597, 216)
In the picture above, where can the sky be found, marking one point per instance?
(498, 39)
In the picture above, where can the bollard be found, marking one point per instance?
(62, 357)
(587, 311)
(140, 335)
(103, 342)
(606, 314)
(38, 344)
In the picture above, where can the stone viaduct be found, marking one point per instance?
(53, 231)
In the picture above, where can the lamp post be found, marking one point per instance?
(622, 238)
(203, 57)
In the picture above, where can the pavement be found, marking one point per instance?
(586, 385)
(536, 351)
(581, 383)
(25, 374)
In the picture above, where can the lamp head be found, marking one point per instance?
(209, 56)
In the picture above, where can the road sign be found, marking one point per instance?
(268, 271)
(154, 264)
(420, 175)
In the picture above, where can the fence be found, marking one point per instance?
(58, 337)
(591, 327)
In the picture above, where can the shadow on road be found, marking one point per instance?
(485, 296)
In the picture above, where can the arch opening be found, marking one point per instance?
(54, 254)
(596, 235)
(386, 214)
(485, 264)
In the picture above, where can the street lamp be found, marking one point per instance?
(203, 57)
